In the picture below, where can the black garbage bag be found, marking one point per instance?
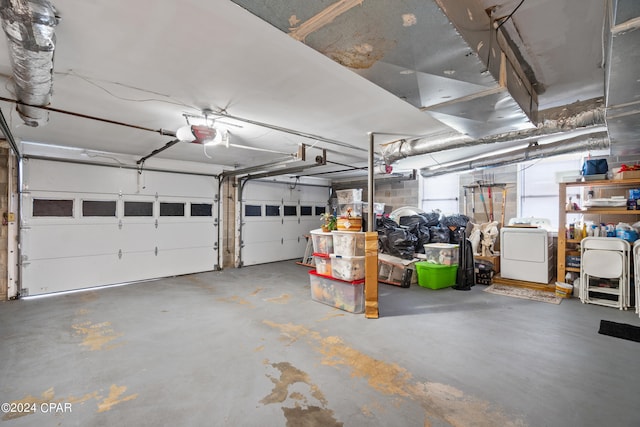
(439, 235)
(431, 218)
(384, 223)
(421, 231)
(398, 242)
(457, 235)
(454, 221)
(456, 224)
(411, 220)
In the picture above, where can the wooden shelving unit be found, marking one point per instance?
(618, 187)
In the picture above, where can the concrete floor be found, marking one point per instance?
(248, 347)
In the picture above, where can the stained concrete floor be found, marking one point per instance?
(248, 347)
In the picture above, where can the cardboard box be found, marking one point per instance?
(495, 260)
(627, 175)
(391, 269)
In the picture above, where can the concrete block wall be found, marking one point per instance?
(393, 193)
(500, 175)
(397, 194)
(615, 162)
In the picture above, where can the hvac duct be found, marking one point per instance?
(405, 148)
(596, 141)
(29, 26)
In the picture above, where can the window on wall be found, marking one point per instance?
(538, 187)
(441, 193)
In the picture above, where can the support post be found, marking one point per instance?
(371, 248)
(371, 275)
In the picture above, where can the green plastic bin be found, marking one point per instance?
(436, 276)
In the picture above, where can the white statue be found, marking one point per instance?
(489, 235)
(474, 237)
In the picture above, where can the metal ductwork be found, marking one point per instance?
(30, 29)
(582, 121)
(622, 83)
(597, 141)
(444, 57)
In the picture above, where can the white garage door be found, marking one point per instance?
(84, 225)
(275, 219)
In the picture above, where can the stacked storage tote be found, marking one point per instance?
(338, 280)
(350, 209)
(441, 266)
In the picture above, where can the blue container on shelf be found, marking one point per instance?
(628, 235)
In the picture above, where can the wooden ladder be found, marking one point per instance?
(307, 260)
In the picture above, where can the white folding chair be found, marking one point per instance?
(605, 258)
(636, 272)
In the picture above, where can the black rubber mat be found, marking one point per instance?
(620, 330)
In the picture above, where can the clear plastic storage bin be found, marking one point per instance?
(347, 296)
(378, 208)
(350, 209)
(347, 267)
(349, 196)
(441, 253)
(322, 263)
(348, 243)
(322, 242)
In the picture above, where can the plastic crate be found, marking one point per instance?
(322, 263)
(322, 242)
(350, 209)
(349, 196)
(378, 208)
(441, 253)
(347, 267)
(348, 243)
(436, 276)
(345, 295)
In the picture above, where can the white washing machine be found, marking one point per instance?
(527, 250)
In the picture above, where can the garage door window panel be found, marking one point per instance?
(99, 208)
(138, 209)
(272, 210)
(252, 210)
(171, 209)
(53, 208)
(201, 209)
